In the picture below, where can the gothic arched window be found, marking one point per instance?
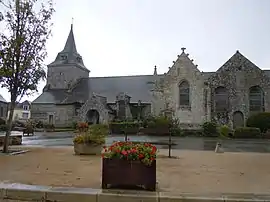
(256, 99)
(221, 99)
(184, 94)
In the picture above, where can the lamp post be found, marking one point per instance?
(125, 131)
(139, 110)
(167, 111)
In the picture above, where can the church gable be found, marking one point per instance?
(183, 68)
(238, 62)
(238, 72)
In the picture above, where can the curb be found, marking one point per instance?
(24, 193)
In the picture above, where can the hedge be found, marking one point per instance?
(247, 132)
(210, 129)
(191, 133)
(260, 120)
(122, 127)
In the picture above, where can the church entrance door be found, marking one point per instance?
(238, 119)
(92, 117)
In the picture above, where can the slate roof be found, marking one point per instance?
(69, 54)
(2, 99)
(137, 87)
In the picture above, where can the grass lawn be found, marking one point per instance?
(193, 171)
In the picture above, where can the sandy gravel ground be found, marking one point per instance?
(192, 172)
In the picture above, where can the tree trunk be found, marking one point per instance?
(9, 126)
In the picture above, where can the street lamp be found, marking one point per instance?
(168, 111)
(139, 109)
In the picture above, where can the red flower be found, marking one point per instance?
(124, 152)
(141, 156)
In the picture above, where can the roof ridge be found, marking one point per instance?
(125, 76)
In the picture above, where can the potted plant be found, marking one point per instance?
(90, 141)
(129, 164)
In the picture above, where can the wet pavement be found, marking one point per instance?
(56, 139)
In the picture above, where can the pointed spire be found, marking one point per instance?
(155, 70)
(70, 46)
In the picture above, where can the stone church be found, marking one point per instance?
(229, 95)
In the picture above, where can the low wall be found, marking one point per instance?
(27, 193)
(13, 140)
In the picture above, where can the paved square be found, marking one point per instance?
(192, 172)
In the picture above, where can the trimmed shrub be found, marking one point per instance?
(260, 120)
(247, 132)
(2, 122)
(210, 129)
(3, 127)
(39, 124)
(161, 125)
(224, 131)
(49, 127)
(122, 127)
(192, 133)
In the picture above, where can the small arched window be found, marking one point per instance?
(184, 94)
(256, 99)
(221, 99)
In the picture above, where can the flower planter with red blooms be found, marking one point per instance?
(127, 164)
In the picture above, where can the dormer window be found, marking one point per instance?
(79, 59)
(63, 57)
(25, 107)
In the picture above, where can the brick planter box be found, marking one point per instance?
(126, 174)
(13, 140)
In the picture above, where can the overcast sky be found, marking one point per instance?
(129, 37)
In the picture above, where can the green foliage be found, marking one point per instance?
(74, 125)
(22, 48)
(158, 122)
(95, 135)
(2, 122)
(191, 133)
(144, 152)
(121, 127)
(3, 127)
(38, 124)
(260, 120)
(22, 45)
(224, 131)
(49, 126)
(210, 129)
(247, 132)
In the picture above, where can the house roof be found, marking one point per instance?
(2, 99)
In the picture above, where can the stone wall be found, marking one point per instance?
(61, 77)
(166, 94)
(94, 103)
(237, 75)
(63, 115)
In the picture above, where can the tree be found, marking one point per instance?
(22, 49)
